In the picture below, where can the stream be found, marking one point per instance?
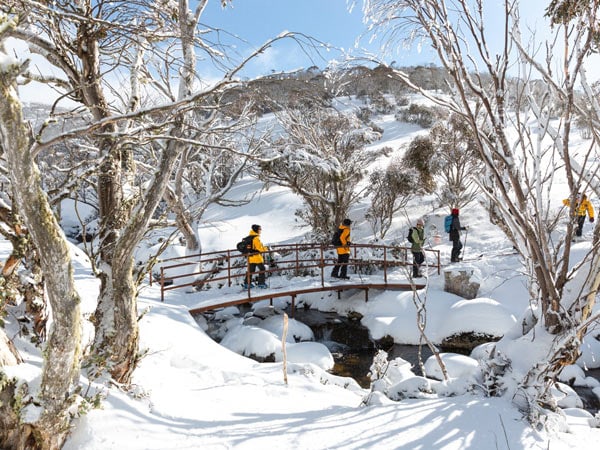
(353, 349)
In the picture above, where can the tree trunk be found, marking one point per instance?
(184, 221)
(117, 335)
(62, 352)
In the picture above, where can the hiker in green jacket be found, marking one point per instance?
(418, 239)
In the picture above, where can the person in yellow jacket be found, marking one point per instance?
(255, 259)
(340, 270)
(582, 207)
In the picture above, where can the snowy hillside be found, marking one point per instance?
(191, 392)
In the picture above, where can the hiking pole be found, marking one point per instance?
(407, 218)
(465, 244)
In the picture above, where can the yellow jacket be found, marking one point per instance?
(583, 206)
(257, 258)
(345, 238)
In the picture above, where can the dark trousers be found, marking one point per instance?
(580, 222)
(341, 268)
(261, 274)
(456, 248)
(418, 259)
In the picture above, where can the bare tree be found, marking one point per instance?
(390, 190)
(524, 151)
(113, 38)
(208, 169)
(63, 348)
(455, 160)
(321, 156)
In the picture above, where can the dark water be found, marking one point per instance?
(352, 347)
(591, 402)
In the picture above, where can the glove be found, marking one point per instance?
(591, 219)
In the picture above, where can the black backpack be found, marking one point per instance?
(409, 236)
(337, 238)
(245, 245)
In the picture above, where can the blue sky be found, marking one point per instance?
(328, 21)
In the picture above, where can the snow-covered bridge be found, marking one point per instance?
(292, 270)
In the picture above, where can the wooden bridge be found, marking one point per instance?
(371, 267)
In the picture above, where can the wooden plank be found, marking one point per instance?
(294, 293)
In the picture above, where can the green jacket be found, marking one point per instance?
(418, 235)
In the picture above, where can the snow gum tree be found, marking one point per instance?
(449, 156)
(322, 156)
(84, 41)
(526, 149)
(87, 41)
(46, 421)
(390, 190)
(95, 45)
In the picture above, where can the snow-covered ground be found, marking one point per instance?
(192, 393)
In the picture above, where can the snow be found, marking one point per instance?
(190, 392)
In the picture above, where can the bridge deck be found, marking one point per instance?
(270, 294)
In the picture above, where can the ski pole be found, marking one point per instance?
(465, 245)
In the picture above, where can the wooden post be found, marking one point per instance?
(385, 264)
(229, 283)
(283, 351)
(322, 264)
(162, 284)
(248, 277)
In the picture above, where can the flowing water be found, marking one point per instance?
(352, 347)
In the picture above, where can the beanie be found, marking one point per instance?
(455, 211)
(255, 228)
(347, 222)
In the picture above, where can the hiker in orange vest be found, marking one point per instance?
(340, 270)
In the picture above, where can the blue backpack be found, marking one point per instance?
(448, 223)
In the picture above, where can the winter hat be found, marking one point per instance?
(256, 228)
(420, 222)
(455, 211)
(347, 222)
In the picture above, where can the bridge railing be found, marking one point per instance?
(227, 267)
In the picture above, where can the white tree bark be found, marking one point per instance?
(63, 348)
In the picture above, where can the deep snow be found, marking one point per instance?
(191, 393)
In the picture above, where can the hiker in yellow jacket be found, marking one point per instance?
(256, 260)
(582, 207)
(340, 270)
